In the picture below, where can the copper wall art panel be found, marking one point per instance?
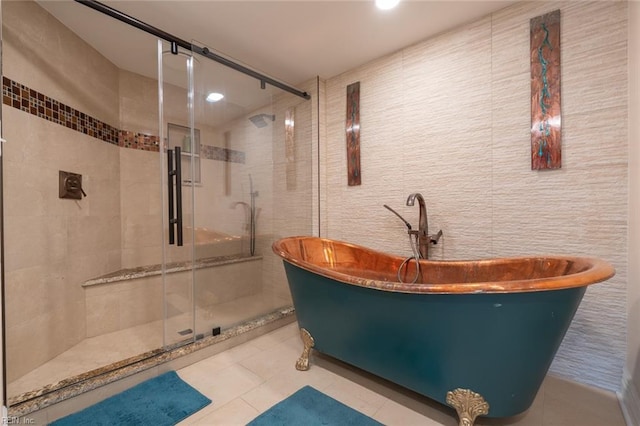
(353, 134)
(546, 140)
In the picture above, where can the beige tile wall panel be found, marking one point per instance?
(140, 208)
(41, 53)
(64, 241)
(138, 108)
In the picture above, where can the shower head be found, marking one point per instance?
(259, 120)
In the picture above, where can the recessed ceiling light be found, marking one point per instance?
(386, 4)
(214, 97)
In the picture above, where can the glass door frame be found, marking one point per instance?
(178, 275)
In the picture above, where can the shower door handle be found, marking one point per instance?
(175, 212)
(178, 159)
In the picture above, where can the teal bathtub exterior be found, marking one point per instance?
(499, 345)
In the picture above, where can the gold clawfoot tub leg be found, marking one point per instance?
(303, 362)
(468, 404)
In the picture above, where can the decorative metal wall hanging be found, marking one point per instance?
(545, 92)
(353, 134)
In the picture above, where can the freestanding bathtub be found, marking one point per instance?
(477, 335)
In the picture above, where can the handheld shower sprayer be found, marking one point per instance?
(414, 248)
(398, 214)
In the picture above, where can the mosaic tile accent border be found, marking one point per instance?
(222, 154)
(28, 100)
(33, 102)
(127, 139)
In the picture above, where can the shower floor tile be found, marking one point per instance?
(90, 354)
(100, 351)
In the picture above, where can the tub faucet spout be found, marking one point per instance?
(422, 234)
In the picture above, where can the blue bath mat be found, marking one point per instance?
(310, 407)
(163, 400)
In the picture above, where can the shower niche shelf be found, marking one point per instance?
(190, 151)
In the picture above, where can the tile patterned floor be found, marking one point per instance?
(250, 378)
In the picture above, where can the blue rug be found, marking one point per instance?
(163, 400)
(310, 407)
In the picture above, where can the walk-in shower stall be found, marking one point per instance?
(138, 212)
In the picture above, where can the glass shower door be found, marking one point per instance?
(246, 192)
(177, 139)
(243, 151)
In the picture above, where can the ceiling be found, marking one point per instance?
(291, 41)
